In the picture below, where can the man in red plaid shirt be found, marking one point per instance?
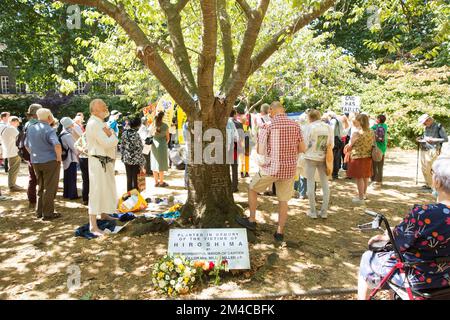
(280, 142)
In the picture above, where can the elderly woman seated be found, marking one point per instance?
(423, 235)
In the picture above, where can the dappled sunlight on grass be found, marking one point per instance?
(35, 255)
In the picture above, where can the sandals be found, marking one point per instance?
(162, 185)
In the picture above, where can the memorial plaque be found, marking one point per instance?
(210, 244)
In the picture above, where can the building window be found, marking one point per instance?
(21, 88)
(80, 87)
(4, 84)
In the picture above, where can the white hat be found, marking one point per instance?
(114, 112)
(66, 122)
(423, 118)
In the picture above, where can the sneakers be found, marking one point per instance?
(323, 215)
(278, 236)
(311, 214)
(246, 223)
(358, 201)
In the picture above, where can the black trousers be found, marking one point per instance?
(337, 155)
(70, 182)
(148, 162)
(84, 167)
(234, 177)
(132, 171)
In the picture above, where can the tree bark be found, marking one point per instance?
(210, 201)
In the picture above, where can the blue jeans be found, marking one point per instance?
(300, 186)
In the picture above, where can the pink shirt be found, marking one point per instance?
(281, 138)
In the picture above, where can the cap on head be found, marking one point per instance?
(423, 118)
(115, 112)
(44, 114)
(78, 119)
(32, 109)
(14, 118)
(66, 122)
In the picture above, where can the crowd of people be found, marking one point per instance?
(292, 156)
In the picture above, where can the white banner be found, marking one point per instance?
(351, 104)
(210, 244)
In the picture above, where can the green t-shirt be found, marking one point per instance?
(382, 145)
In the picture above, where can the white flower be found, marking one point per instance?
(178, 270)
(163, 267)
(194, 271)
(172, 282)
(193, 279)
(177, 261)
(178, 287)
(167, 277)
(162, 284)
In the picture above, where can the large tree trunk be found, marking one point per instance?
(210, 198)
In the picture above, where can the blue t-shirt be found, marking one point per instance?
(114, 125)
(41, 139)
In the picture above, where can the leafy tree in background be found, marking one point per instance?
(391, 30)
(38, 41)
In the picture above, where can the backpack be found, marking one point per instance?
(380, 134)
(65, 151)
(20, 143)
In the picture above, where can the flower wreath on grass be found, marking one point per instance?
(175, 275)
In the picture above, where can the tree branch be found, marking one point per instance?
(227, 41)
(180, 5)
(280, 37)
(207, 59)
(245, 7)
(241, 70)
(179, 47)
(262, 98)
(146, 51)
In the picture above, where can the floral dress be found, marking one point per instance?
(423, 235)
(131, 148)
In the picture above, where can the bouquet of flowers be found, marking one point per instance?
(174, 275)
(212, 269)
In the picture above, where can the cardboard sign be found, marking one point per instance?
(210, 244)
(166, 104)
(351, 104)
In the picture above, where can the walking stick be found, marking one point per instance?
(417, 164)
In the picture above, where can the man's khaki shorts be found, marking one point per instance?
(285, 188)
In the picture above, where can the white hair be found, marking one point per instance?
(43, 114)
(441, 168)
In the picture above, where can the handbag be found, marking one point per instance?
(377, 154)
(329, 160)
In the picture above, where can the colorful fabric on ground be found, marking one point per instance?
(84, 232)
